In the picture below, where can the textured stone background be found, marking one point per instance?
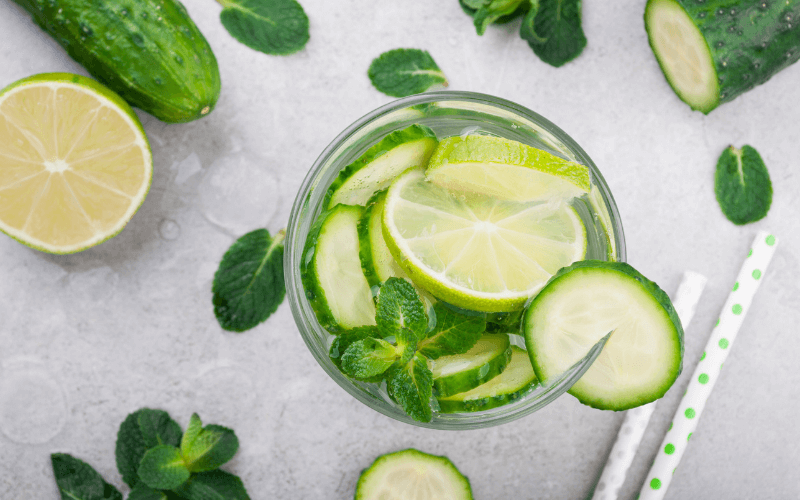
(88, 338)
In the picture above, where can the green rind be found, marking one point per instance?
(148, 51)
(466, 380)
(649, 287)
(425, 460)
(364, 241)
(114, 98)
(458, 404)
(749, 42)
(313, 289)
(397, 138)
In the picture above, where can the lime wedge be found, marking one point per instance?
(477, 252)
(505, 169)
(75, 164)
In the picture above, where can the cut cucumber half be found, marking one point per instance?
(375, 169)
(376, 259)
(412, 474)
(715, 50)
(516, 380)
(335, 284)
(463, 372)
(505, 169)
(579, 306)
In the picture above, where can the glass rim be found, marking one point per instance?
(304, 316)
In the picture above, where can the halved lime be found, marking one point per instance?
(478, 252)
(505, 169)
(75, 164)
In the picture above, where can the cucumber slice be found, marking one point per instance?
(516, 380)
(713, 51)
(413, 474)
(463, 372)
(335, 284)
(579, 306)
(375, 169)
(376, 259)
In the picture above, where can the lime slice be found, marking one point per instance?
(75, 164)
(505, 169)
(476, 252)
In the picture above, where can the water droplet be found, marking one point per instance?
(124, 12)
(169, 230)
(178, 59)
(32, 405)
(138, 39)
(158, 81)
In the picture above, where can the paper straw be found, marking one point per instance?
(636, 420)
(705, 375)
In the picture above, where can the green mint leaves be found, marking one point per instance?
(491, 11)
(405, 72)
(77, 480)
(742, 185)
(140, 431)
(276, 27)
(411, 385)
(398, 349)
(249, 284)
(454, 333)
(206, 448)
(163, 468)
(159, 462)
(553, 30)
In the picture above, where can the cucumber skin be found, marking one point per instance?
(149, 52)
(661, 297)
(365, 247)
(459, 382)
(482, 404)
(749, 46)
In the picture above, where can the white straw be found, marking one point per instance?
(636, 420)
(708, 369)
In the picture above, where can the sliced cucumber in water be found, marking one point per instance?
(376, 259)
(375, 169)
(412, 474)
(335, 284)
(515, 381)
(463, 372)
(580, 305)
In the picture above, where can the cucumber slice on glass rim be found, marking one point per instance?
(579, 306)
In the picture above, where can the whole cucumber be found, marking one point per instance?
(712, 51)
(148, 51)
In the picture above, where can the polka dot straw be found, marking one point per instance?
(708, 369)
(636, 420)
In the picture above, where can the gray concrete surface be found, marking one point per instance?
(88, 338)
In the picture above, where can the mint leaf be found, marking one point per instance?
(492, 10)
(346, 338)
(553, 30)
(163, 468)
(454, 333)
(213, 485)
(742, 185)
(249, 284)
(276, 27)
(144, 492)
(77, 480)
(470, 7)
(141, 430)
(206, 448)
(368, 357)
(399, 308)
(405, 72)
(411, 385)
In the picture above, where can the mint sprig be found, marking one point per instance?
(742, 185)
(77, 480)
(491, 11)
(275, 27)
(368, 357)
(454, 333)
(249, 284)
(405, 72)
(167, 463)
(553, 30)
(411, 385)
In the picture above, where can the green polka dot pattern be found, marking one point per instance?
(689, 413)
(703, 356)
(669, 449)
(770, 241)
(689, 436)
(655, 483)
(737, 309)
(756, 274)
(703, 378)
(735, 286)
(723, 343)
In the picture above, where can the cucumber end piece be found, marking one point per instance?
(683, 54)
